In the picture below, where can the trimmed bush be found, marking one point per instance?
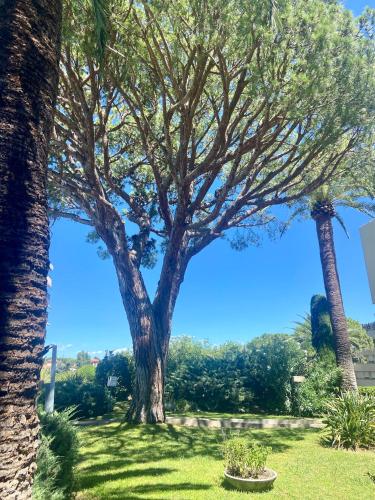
(57, 456)
(80, 390)
(350, 421)
(271, 362)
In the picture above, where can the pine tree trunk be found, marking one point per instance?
(149, 346)
(148, 395)
(333, 291)
(29, 49)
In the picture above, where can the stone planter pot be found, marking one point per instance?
(262, 483)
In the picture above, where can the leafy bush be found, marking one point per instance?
(76, 389)
(243, 458)
(57, 455)
(271, 361)
(323, 381)
(350, 421)
(200, 376)
(119, 365)
(232, 377)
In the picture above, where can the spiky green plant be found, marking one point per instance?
(350, 421)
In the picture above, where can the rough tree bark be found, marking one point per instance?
(29, 52)
(149, 323)
(333, 292)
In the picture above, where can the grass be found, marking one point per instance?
(123, 462)
(120, 409)
(211, 414)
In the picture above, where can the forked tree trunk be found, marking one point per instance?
(333, 291)
(149, 323)
(29, 50)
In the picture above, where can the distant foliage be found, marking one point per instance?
(359, 339)
(243, 458)
(350, 421)
(57, 456)
(79, 389)
(83, 358)
(86, 373)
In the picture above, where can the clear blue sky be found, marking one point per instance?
(226, 295)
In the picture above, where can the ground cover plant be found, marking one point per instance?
(120, 462)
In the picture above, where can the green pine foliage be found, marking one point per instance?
(57, 456)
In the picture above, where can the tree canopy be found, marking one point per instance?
(203, 114)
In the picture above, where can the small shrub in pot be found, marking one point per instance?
(245, 465)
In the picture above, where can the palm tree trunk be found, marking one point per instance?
(336, 308)
(29, 52)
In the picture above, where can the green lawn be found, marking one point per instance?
(120, 410)
(119, 461)
(212, 414)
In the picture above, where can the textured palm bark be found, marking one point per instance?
(333, 291)
(29, 50)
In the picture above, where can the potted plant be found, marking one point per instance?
(245, 465)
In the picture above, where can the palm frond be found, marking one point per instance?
(367, 208)
(340, 220)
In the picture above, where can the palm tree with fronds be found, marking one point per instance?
(353, 192)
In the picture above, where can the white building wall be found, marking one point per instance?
(368, 243)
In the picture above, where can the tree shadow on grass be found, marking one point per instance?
(92, 480)
(151, 443)
(144, 492)
(113, 450)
